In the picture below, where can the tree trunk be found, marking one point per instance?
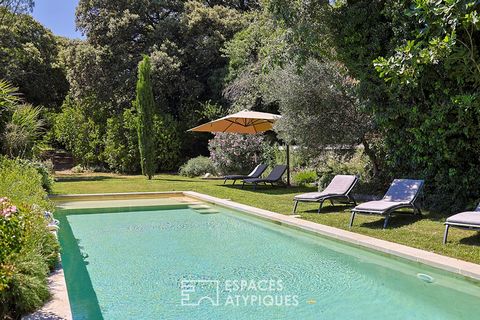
(372, 156)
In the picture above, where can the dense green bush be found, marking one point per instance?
(198, 166)
(167, 142)
(332, 164)
(27, 249)
(79, 133)
(121, 143)
(45, 169)
(304, 177)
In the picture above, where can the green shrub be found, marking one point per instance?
(334, 164)
(27, 249)
(167, 142)
(304, 177)
(197, 167)
(24, 282)
(121, 143)
(45, 169)
(78, 133)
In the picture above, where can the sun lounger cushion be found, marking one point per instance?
(403, 190)
(380, 205)
(311, 195)
(467, 218)
(339, 185)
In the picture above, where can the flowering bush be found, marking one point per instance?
(27, 249)
(10, 228)
(236, 153)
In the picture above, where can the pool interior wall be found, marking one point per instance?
(95, 244)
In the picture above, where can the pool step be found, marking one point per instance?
(207, 211)
(199, 206)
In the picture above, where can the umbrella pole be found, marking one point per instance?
(288, 165)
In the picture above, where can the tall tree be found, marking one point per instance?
(145, 108)
(29, 60)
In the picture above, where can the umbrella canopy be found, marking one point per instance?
(249, 122)
(245, 121)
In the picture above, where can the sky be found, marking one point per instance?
(58, 16)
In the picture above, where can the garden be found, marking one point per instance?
(381, 89)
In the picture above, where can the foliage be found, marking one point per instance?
(29, 60)
(183, 40)
(22, 131)
(236, 153)
(318, 97)
(305, 176)
(198, 166)
(44, 169)
(332, 164)
(79, 133)
(167, 142)
(145, 109)
(416, 63)
(121, 144)
(29, 250)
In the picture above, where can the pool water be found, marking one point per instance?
(183, 263)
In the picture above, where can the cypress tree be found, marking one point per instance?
(145, 108)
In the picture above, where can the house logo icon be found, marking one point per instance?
(197, 292)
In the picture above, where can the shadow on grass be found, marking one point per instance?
(85, 178)
(395, 221)
(473, 240)
(177, 180)
(338, 208)
(261, 189)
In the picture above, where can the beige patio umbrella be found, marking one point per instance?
(248, 122)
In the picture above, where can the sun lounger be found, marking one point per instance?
(274, 177)
(256, 173)
(463, 220)
(339, 189)
(402, 194)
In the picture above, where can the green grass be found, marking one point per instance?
(424, 233)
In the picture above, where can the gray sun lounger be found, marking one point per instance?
(273, 177)
(256, 173)
(339, 189)
(464, 220)
(402, 194)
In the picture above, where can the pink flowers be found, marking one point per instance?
(6, 208)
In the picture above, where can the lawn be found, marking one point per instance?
(424, 233)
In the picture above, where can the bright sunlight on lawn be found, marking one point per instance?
(423, 233)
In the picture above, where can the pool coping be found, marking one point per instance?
(460, 267)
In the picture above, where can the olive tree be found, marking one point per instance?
(319, 107)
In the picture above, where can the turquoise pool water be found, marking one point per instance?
(152, 263)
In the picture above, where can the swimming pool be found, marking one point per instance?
(180, 261)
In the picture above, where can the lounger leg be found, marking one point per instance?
(445, 235)
(387, 217)
(320, 206)
(295, 207)
(331, 201)
(417, 209)
(225, 181)
(243, 185)
(254, 186)
(353, 200)
(233, 182)
(352, 218)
